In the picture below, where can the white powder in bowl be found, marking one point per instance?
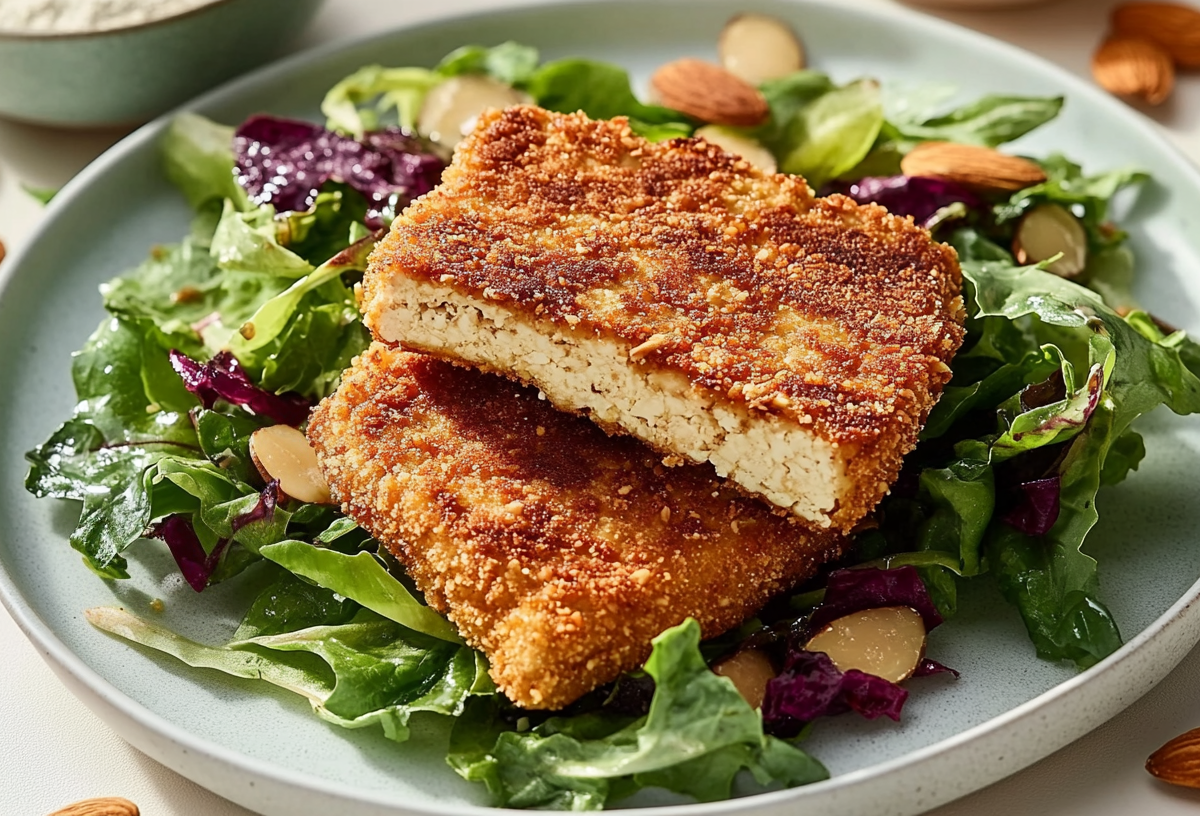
(73, 16)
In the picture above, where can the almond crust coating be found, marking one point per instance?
(556, 550)
(837, 318)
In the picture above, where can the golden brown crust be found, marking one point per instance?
(556, 550)
(839, 317)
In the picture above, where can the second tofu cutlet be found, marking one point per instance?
(556, 550)
(676, 293)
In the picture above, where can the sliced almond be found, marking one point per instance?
(1174, 26)
(281, 452)
(981, 168)
(736, 143)
(1134, 67)
(1178, 762)
(709, 93)
(757, 47)
(102, 806)
(887, 641)
(451, 109)
(750, 670)
(1048, 230)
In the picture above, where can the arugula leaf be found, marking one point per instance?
(699, 734)
(509, 62)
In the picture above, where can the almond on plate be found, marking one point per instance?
(981, 168)
(709, 93)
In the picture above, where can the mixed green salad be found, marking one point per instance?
(251, 318)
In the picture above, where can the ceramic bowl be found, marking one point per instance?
(128, 75)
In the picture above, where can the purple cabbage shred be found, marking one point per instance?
(285, 162)
(853, 590)
(919, 197)
(927, 668)
(195, 565)
(263, 510)
(223, 377)
(1037, 506)
(810, 686)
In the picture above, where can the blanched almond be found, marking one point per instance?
(757, 47)
(451, 109)
(281, 452)
(750, 670)
(1134, 67)
(709, 93)
(733, 142)
(1048, 230)
(981, 168)
(887, 642)
(1178, 762)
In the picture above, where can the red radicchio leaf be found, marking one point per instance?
(195, 565)
(263, 510)
(810, 686)
(919, 197)
(222, 377)
(284, 162)
(852, 590)
(1037, 506)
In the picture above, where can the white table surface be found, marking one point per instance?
(53, 750)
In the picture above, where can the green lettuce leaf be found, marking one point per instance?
(509, 62)
(990, 121)
(831, 133)
(363, 579)
(198, 159)
(363, 100)
(356, 668)
(699, 734)
(602, 91)
(246, 242)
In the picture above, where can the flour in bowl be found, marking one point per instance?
(76, 16)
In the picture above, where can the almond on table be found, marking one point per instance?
(1134, 67)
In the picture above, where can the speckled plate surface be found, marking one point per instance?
(268, 752)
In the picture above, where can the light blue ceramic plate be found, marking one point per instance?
(268, 752)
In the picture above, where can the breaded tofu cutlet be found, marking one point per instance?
(555, 549)
(674, 292)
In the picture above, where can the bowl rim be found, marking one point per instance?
(8, 35)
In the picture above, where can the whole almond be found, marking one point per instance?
(981, 168)
(103, 806)
(1134, 66)
(1174, 26)
(709, 93)
(1178, 762)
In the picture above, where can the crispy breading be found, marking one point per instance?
(676, 293)
(555, 549)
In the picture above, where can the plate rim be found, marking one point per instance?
(96, 690)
